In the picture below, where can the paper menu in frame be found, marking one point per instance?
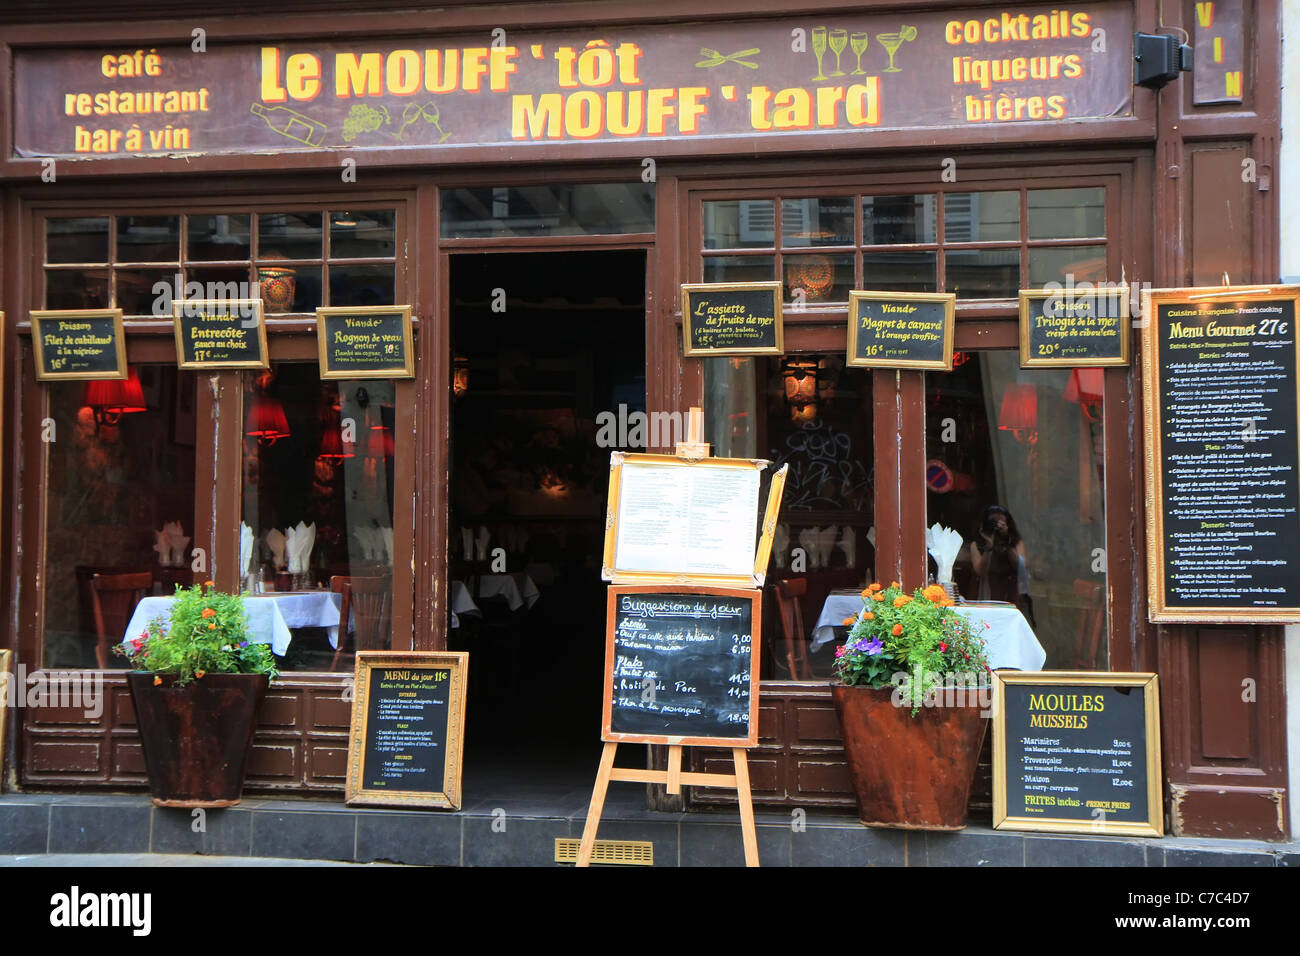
(677, 519)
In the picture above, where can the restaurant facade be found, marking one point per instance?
(537, 181)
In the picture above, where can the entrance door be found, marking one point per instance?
(548, 346)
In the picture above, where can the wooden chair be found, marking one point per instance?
(787, 594)
(367, 602)
(113, 598)
(1092, 622)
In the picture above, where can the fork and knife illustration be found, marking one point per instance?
(714, 58)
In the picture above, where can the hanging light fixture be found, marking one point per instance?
(1019, 412)
(264, 419)
(1086, 388)
(460, 376)
(332, 444)
(110, 399)
(800, 378)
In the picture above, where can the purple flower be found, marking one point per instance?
(873, 646)
(243, 643)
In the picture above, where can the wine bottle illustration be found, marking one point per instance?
(291, 124)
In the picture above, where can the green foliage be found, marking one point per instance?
(901, 640)
(207, 635)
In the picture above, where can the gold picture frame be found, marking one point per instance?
(1026, 296)
(45, 374)
(456, 664)
(1149, 684)
(244, 305)
(949, 301)
(1158, 611)
(691, 351)
(396, 371)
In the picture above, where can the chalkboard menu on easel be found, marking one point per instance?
(79, 344)
(1074, 330)
(220, 333)
(408, 729)
(682, 665)
(367, 342)
(901, 330)
(1223, 455)
(737, 318)
(1077, 752)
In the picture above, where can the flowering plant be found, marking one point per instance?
(896, 633)
(207, 634)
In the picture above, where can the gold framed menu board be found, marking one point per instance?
(1221, 409)
(220, 333)
(79, 344)
(365, 342)
(732, 318)
(907, 330)
(1074, 330)
(682, 520)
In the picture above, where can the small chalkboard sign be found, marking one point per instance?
(1077, 751)
(220, 333)
(682, 665)
(408, 729)
(1074, 329)
(736, 318)
(365, 342)
(79, 344)
(908, 330)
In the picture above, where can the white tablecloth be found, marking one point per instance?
(270, 616)
(461, 603)
(1009, 640)
(517, 589)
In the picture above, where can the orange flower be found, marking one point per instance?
(893, 584)
(848, 621)
(208, 584)
(875, 587)
(866, 592)
(199, 673)
(901, 600)
(947, 602)
(209, 612)
(878, 596)
(898, 629)
(870, 615)
(935, 593)
(156, 680)
(212, 626)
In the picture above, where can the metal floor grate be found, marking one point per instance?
(620, 852)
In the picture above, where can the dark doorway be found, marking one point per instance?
(546, 342)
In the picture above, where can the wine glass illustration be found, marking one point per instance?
(859, 41)
(892, 41)
(819, 50)
(839, 39)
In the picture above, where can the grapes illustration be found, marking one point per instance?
(364, 119)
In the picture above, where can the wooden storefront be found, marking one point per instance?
(1166, 171)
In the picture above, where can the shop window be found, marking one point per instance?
(132, 262)
(1015, 465)
(318, 466)
(119, 507)
(812, 413)
(556, 209)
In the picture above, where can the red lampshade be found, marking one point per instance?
(110, 399)
(380, 442)
(265, 419)
(1086, 386)
(332, 444)
(1019, 412)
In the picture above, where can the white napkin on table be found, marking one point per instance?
(825, 544)
(386, 534)
(945, 544)
(481, 545)
(275, 540)
(808, 541)
(163, 545)
(245, 549)
(467, 539)
(178, 541)
(780, 541)
(849, 545)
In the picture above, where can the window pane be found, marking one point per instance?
(148, 239)
(817, 222)
(554, 210)
(222, 282)
(122, 470)
(1032, 446)
(76, 240)
(983, 273)
(76, 288)
(137, 291)
(218, 237)
(365, 234)
(361, 285)
(289, 235)
(823, 279)
(1084, 263)
(981, 217)
(740, 224)
(289, 287)
(321, 453)
(1067, 213)
(890, 220)
(739, 268)
(901, 271)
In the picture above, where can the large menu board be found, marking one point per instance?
(1223, 455)
(407, 729)
(682, 665)
(1077, 751)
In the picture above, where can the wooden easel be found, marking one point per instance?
(694, 448)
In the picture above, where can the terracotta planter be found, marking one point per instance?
(909, 772)
(196, 738)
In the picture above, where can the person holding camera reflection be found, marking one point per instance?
(998, 558)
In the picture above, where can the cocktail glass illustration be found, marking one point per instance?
(859, 41)
(819, 50)
(839, 39)
(892, 41)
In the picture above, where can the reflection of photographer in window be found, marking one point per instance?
(997, 556)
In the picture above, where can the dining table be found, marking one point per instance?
(272, 617)
(1010, 642)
